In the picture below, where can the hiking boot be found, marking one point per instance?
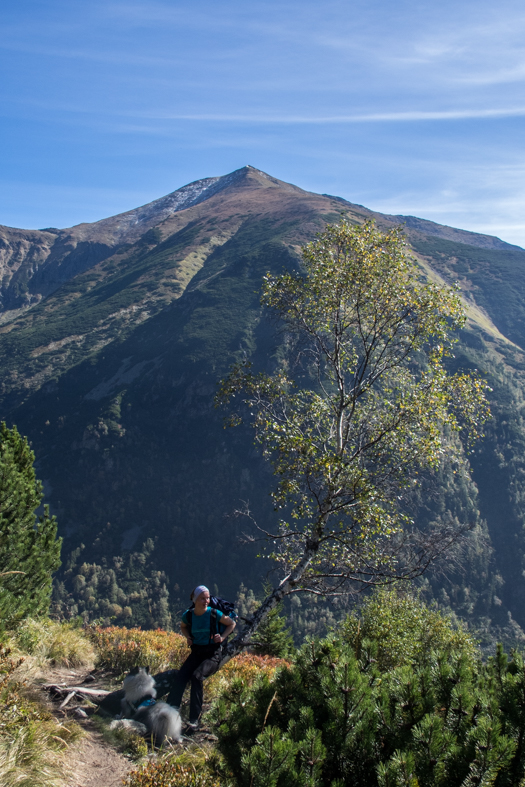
(192, 726)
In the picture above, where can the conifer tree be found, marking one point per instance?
(29, 548)
(273, 637)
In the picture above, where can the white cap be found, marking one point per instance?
(198, 590)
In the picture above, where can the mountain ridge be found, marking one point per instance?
(112, 375)
(34, 263)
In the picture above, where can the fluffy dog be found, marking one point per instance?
(139, 704)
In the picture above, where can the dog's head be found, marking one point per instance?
(138, 683)
(138, 671)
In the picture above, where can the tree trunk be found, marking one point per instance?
(244, 636)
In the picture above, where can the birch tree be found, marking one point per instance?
(360, 407)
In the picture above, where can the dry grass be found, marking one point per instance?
(33, 754)
(32, 742)
(44, 643)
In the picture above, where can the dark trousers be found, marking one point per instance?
(199, 653)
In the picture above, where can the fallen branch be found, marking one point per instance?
(82, 690)
(68, 698)
(75, 690)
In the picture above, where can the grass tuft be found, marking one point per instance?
(174, 771)
(48, 642)
(126, 741)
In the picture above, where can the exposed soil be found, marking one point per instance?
(94, 763)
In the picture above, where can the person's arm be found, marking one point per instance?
(228, 624)
(185, 629)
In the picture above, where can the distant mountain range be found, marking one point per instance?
(113, 336)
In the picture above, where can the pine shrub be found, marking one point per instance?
(29, 548)
(273, 638)
(380, 711)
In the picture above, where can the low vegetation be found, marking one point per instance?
(121, 649)
(243, 670)
(32, 742)
(397, 698)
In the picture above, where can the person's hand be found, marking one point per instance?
(189, 642)
(217, 638)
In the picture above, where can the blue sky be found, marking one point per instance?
(408, 107)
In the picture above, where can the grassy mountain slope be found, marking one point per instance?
(112, 375)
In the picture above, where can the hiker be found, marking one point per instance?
(200, 626)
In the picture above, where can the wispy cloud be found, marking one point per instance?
(480, 197)
(266, 118)
(487, 53)
(409, 116)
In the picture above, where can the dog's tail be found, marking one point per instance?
(166, 723)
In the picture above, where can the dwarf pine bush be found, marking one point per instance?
(371, 712)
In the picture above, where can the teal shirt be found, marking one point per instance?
(200, 626)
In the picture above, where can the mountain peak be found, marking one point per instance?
(133, 223)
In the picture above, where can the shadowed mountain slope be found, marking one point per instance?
(110, 366)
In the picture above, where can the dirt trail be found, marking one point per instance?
(90, 762)
(95, 764)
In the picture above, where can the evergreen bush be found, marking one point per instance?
(346, 714)
(273, 637)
